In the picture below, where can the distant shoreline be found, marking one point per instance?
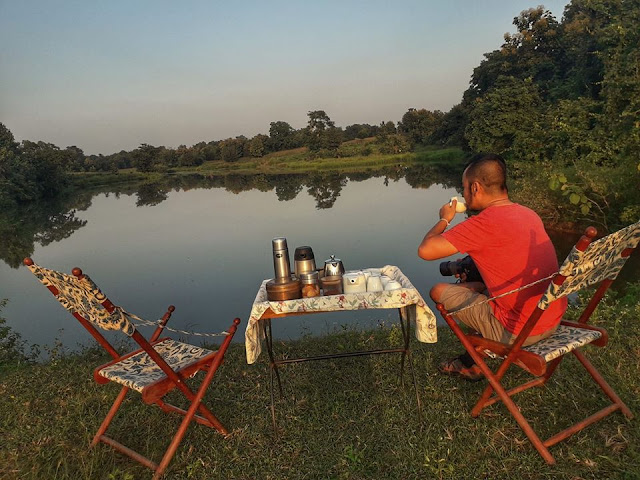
(280, 163)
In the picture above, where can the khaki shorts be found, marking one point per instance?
(480, 317)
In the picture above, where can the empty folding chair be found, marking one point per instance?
(159, 366)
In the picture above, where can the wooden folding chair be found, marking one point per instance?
(157, 367)
(589, 263)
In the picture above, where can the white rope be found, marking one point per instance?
(504, 294)
(142, 322)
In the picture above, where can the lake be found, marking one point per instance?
(204, 245)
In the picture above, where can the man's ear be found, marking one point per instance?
(475, 186)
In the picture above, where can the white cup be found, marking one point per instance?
(374, 283)
(460, 206)
(393, 285)
(384, 279)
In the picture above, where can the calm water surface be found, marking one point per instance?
(206, 250)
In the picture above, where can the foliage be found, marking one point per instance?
(321, 132)
(503, 119)
(11, 345)
(394, 143)
(420, 125)
(564, 96)
(31, 171)
(144, 158)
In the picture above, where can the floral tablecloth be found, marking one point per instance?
(407, 298)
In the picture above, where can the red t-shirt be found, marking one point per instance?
(511, 248)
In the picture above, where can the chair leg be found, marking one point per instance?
(112, 412)
(613, 396)
(494, 385)
(195, 405)
(515, 411)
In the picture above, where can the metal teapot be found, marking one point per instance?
(333, 267)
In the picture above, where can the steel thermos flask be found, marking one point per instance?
(281, 264)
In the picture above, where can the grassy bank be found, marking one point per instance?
(345, 418)
(290, 161)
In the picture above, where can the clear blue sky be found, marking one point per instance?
(109, 75)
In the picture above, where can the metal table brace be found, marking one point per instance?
(273, 365)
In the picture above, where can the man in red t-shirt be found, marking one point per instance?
(510, 248)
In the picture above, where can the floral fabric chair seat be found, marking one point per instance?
(564, 340)
(139, 370)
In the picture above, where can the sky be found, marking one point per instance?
(107, 76)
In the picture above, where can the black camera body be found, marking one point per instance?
(458, 267)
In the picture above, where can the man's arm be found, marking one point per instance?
(434, 245)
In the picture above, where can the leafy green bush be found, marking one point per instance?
(11, 344)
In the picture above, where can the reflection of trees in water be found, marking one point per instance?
(150, 194)
(424, 176)
(288, 186)
(21, 228)
(326, 188)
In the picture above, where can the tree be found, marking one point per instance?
(257, 145)
(394, 143)
(168, 157)
(281, 136)
(532, 52)
(6, 139)
(144, 157)
(76, 158)
(319, 123)
(47, 167)
(450, 130)
(511, 113)
(231, 149)
(387, 128)
(419, 125)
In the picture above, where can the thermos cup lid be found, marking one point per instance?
(279, 243)
(303, 253)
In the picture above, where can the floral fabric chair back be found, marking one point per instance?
(82, 296)
(600, 261)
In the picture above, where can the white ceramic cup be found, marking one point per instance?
(393, 285)
(374, 283)
(460, 206)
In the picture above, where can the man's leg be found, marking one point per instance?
(474, 311)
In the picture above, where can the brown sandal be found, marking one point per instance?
(456, 367)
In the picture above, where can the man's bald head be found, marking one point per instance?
(490, 171)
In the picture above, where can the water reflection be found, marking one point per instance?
(203, 243)
(43, 224)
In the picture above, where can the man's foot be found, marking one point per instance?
(456, 367)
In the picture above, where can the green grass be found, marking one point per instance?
(342, 419)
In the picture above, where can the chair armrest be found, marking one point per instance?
(600, 342)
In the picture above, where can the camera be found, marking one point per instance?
(465, 265)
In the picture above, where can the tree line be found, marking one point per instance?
(559, 99)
